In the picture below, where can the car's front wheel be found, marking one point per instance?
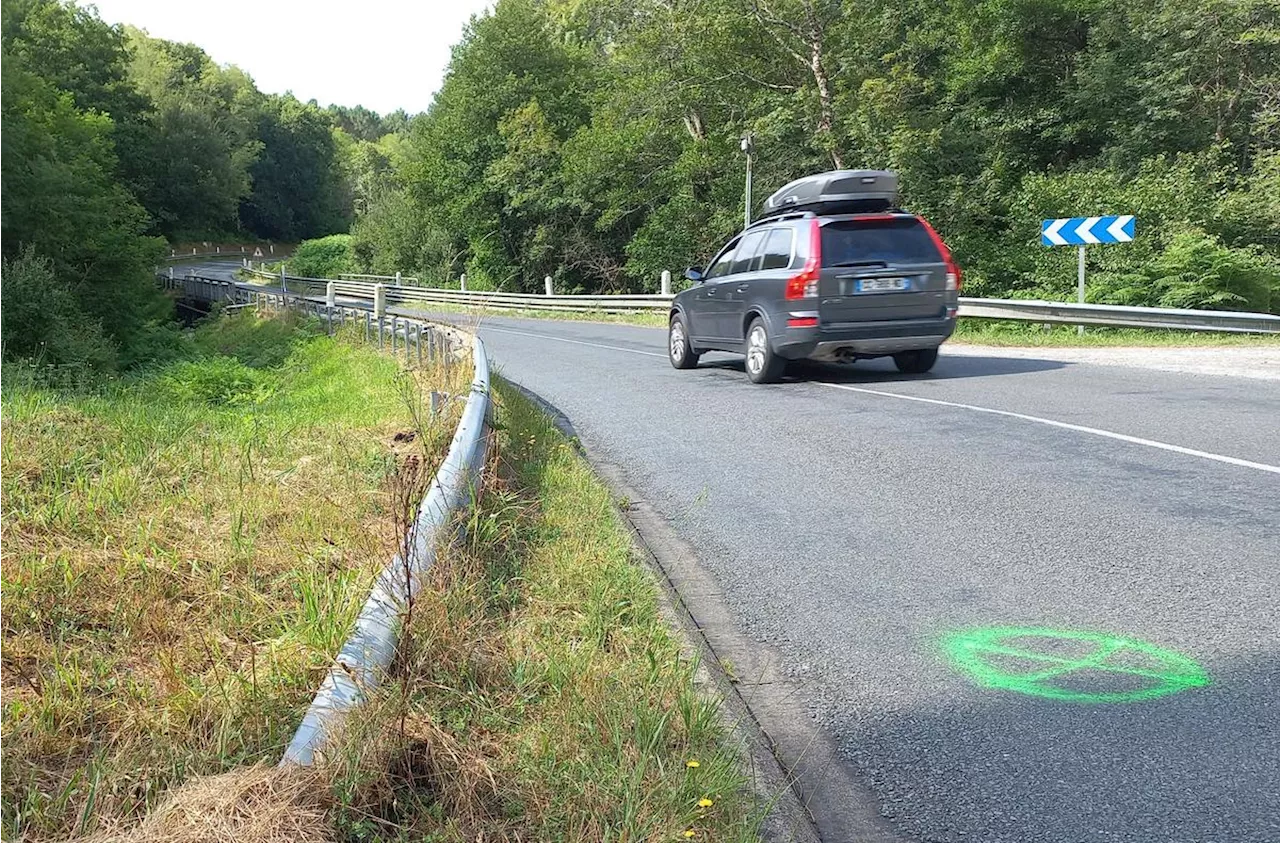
(916, 362)
(679, 349)
(763, 366)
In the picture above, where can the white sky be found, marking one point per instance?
(382, 54)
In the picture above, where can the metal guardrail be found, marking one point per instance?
(1020, 310)
(368, 652)
(1120, 316)
(397, 279)
(186, 256)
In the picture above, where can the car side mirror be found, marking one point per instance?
(694, 274)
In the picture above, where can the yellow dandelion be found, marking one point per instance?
(692, 764)
(688, 832)
(704, 802)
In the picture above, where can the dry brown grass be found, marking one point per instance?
(165, 637)
(259, 804)
(180, 566)
(539, 695)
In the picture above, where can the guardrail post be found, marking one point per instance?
(547, 281)
(666, 282)
(330, 295)
(397, 278)
(417, 342)
(1080, 288)
(379, 308)
(170, 273)
(283, 285)
(463, 282)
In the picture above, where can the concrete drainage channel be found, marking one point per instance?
(368, 652)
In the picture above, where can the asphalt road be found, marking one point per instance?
(854, 529)
(855, 519)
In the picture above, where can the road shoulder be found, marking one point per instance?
(1259, 362)
(796, 768)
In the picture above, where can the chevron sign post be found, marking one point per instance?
(1082, 231)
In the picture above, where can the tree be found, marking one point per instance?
(72, 234)
(297, 180)
(203, 140)
(597, 140)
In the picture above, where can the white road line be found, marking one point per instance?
(574, 342)
(1079, 428)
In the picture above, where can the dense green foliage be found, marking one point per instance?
(75, 258)
(597, 140)
(325, 257)
(114, 140)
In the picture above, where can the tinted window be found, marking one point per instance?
(747, 250)
(722, 263)
(777, 249)
(888, 241)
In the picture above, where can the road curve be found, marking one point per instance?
(853, 520)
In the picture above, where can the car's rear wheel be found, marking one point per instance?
(763, 366)
(916, 362)
(679, 349)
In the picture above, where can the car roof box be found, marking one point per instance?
(836, 192)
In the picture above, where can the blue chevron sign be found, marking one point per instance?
(1085, 231)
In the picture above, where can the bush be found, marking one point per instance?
(217, 381)
(326, 257)
(257, 343)
(1198, 271)
(43, 319)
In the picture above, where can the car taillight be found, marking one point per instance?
(805, 284)
(802, 322)
(954, 279)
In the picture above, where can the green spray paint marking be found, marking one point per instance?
(1060, 664)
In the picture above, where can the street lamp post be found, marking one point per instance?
(748, 147)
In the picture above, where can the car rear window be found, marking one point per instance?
(893, 241)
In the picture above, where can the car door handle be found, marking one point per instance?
(742, 288)
(711, 291)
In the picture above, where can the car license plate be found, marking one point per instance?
(882, 285)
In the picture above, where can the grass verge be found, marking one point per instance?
(540, 695)
(1026, 334)
(648, 320)
(184, 552)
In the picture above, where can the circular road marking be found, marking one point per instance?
(1087, 667)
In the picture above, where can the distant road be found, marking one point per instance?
(853, 520)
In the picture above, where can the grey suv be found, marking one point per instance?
(822, 278)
